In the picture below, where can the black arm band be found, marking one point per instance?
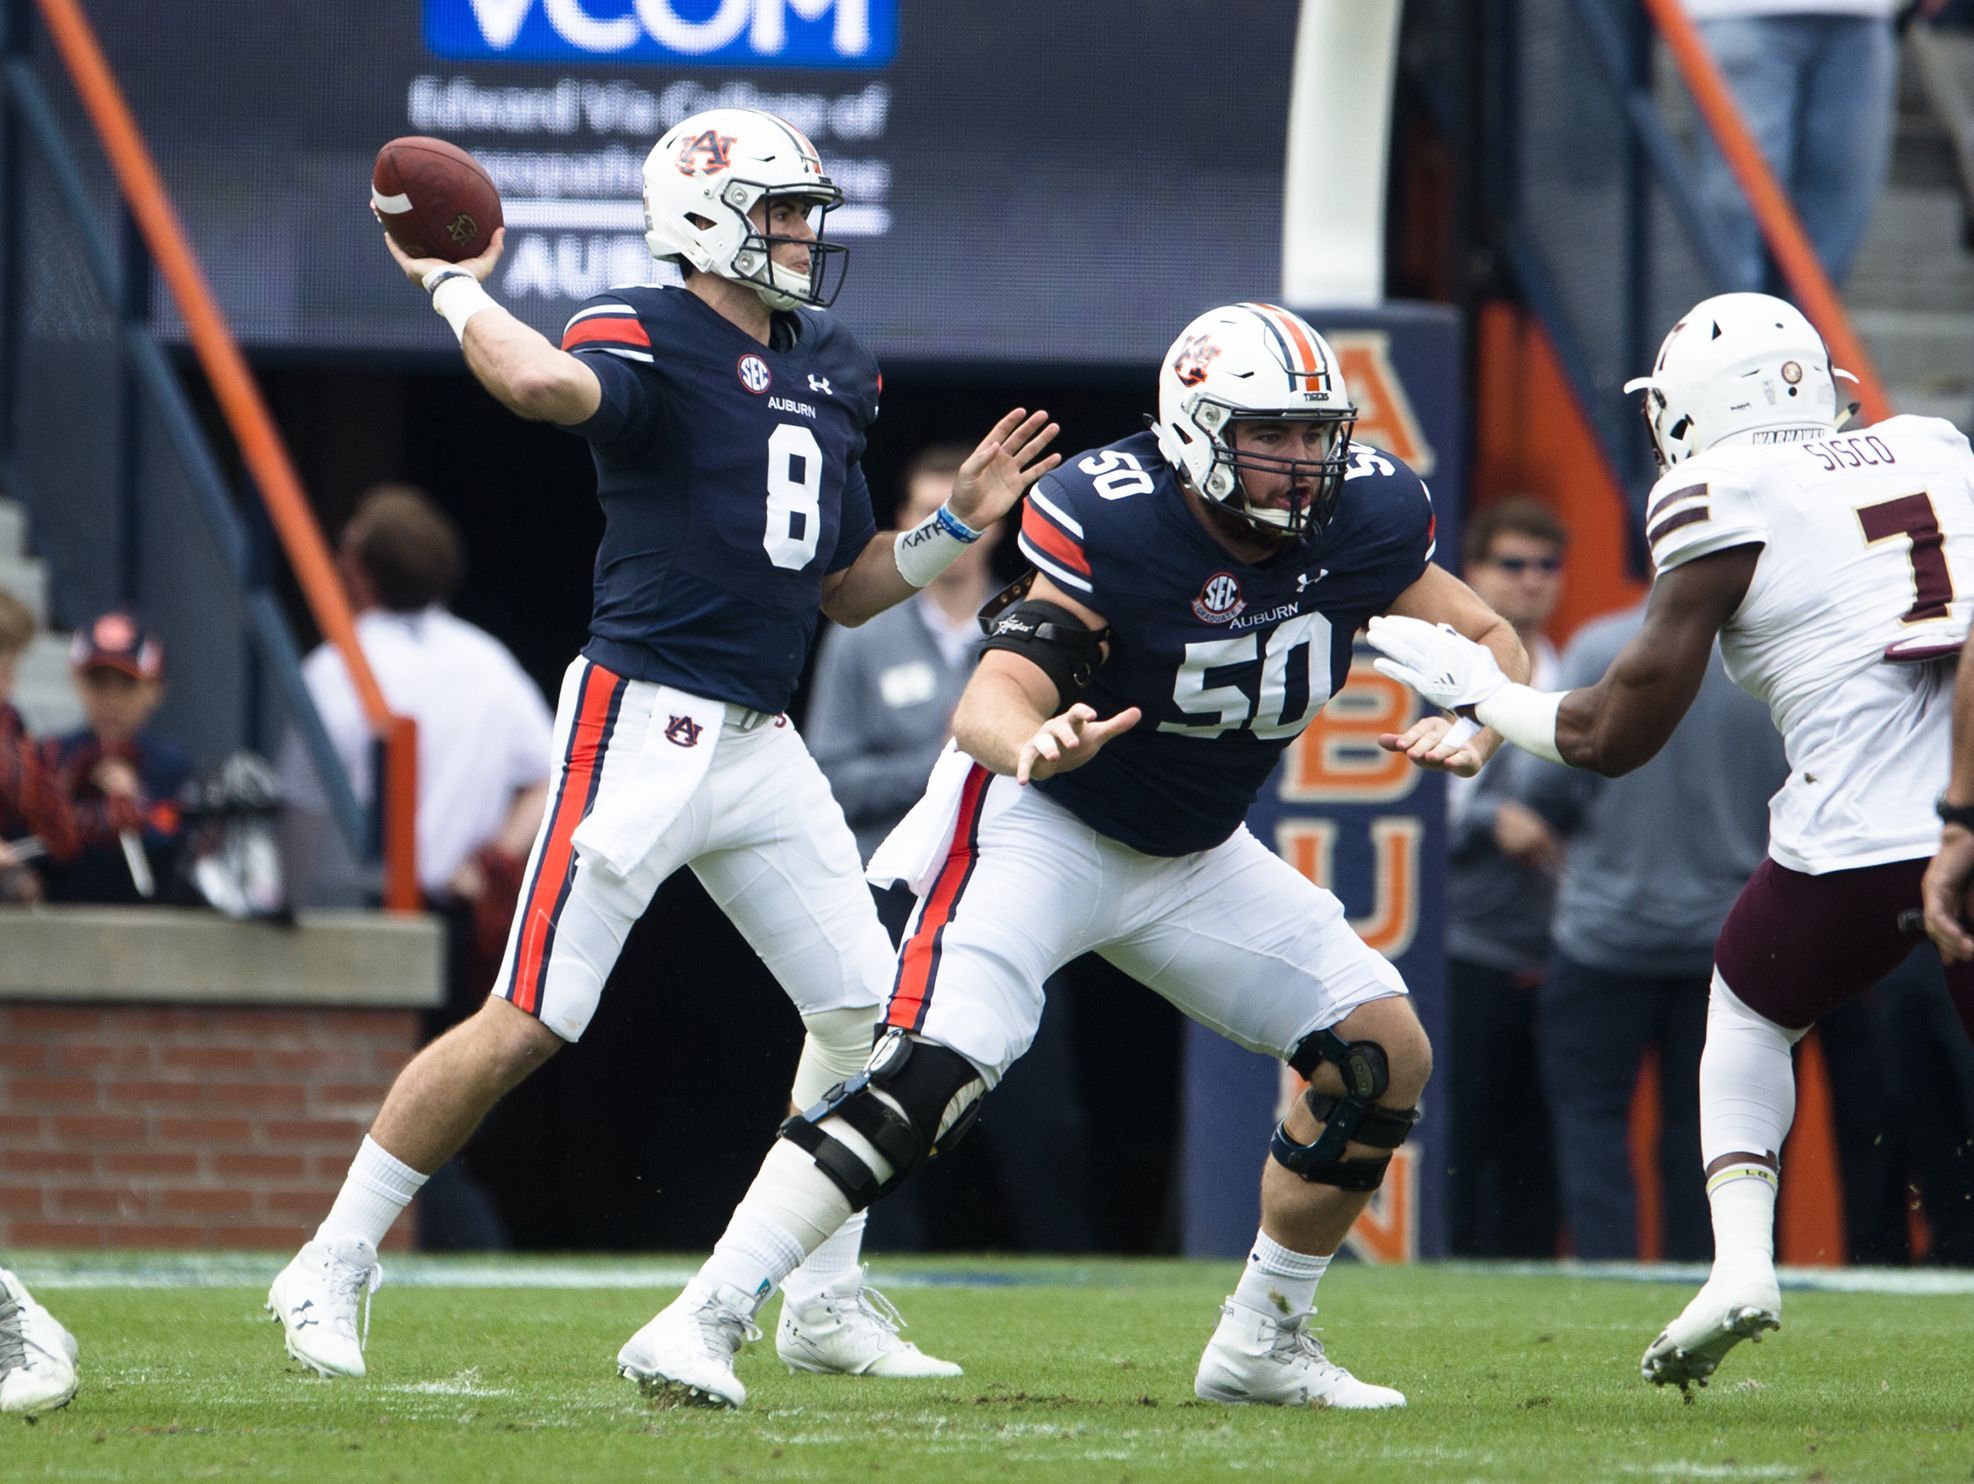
(1052, 639)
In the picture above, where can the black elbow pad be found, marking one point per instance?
(1051, 638)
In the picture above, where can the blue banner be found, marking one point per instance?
(1364, 823)
(817, 34)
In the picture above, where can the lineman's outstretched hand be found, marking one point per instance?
(418, 269)
(1069, 740)
(1944, 891)
(1440, 744)
(999, 471)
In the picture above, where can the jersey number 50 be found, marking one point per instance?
(794, 497)
(1232, 706)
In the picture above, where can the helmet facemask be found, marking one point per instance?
(1308, 512)
(781, 287)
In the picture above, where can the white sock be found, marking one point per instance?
(1278, 1282)
(837, 1258)
(789, 1211)
(1742, 1197)
(378, 1186)
(1747, 1079)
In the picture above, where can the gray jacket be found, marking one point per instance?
(1655, 859)
(880, 709)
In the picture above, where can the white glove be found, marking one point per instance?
(1445, 667)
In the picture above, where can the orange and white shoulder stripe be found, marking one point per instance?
(612, 328)
(1052, 539)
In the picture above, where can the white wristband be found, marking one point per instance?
(931, 546)
(458, 296)
(1526, 717)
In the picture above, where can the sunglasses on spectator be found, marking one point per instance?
(1514, 566)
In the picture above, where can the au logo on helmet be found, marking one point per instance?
(706, 153)
(1193, 359)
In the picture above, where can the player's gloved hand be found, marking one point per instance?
(1069, 741)
(1444, 666)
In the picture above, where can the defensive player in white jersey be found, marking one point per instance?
(727, 419)
(1837, 569)
(1198, 588)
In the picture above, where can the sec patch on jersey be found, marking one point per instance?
(434, 199)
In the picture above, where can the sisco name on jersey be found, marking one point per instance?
(801, 409)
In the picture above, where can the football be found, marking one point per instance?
(434, 199)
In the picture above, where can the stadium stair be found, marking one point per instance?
(1911, 289)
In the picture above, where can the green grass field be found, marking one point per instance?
(1074, 1371)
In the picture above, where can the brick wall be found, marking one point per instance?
(185, 1126)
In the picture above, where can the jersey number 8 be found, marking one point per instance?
(794, 497)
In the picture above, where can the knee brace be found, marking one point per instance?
(913, 1099)
(1355, 1117)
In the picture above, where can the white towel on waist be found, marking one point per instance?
(633, 810)
(916, 847)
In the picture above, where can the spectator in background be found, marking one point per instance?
(1817, 84)
(880, 711)
(115, 769)
(881, 703)
(34, 815)
(1652, 863)
(484, 754)
(1501, 885)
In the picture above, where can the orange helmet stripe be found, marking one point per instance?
(1292, 330)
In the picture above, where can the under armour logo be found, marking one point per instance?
(1304, 580)
(303, 1319)
(683, 731)
(820, 384)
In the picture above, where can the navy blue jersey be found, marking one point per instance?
(1229, 661)
(729, 478)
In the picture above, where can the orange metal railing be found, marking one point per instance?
(1815, 294)
(246, 413)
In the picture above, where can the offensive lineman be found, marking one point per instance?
(1197, 593)
(1826, 563)
(726, 418)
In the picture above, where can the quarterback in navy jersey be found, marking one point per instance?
(727, 417)
(1194, 600)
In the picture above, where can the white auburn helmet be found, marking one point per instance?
(1738, 363)
(1253, 362)
(703, 177)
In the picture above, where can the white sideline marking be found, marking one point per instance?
(417, 1270)
(1898, 1282)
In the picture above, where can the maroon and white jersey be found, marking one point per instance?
(1848, 632)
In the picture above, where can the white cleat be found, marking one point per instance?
(851, 1329)
(684, 1356)
(37, 1355)
(1262, 1359)
(315, 1300)
(1723, 1314)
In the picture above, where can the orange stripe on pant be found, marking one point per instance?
(596, 714)
(918, 965)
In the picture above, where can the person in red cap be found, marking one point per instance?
(116, 764)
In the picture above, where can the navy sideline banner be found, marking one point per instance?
(1007, 202)
(1362, 822)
